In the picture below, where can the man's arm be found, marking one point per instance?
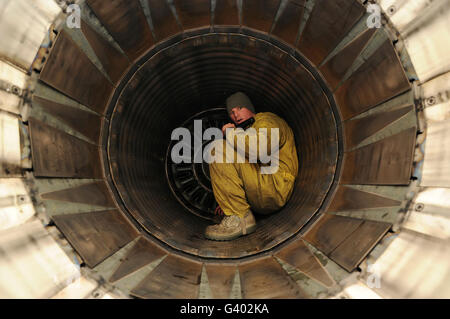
(256, 143)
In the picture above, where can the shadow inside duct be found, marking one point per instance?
(197, 74)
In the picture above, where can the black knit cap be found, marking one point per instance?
(239, 99)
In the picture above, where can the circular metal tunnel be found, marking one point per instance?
(197, 74)
(108, 95)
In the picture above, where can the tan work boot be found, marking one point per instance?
(231, 227)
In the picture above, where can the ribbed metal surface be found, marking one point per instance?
(126, 22)
(190, 183)
(87, 86)
(379, 79)
(58, 154)
(198, 74)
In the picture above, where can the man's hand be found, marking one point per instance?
(229, 125)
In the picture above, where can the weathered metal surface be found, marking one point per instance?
(226, 13)
(380, 78)
(58, 154)
(12, 83)
(221, 279)
(96, 193)
(298, 255)
(266, 278)
(412, 267)
(429, 213)
(350, 253)
(113, 61)
(356, 131)
(259, 14)
(198, 74)
(143, 253)
(16, 203)
(33, 265)
(193, 13)
(330, 231)
(336, 68)
(174, 278)
(288, 23)
(70, 71)
(347, 198)
(10, 146)
(84, 122)
(190, 183)
(387, 162)
(96, 235)
(423, 26)
(436, 166)
(327, 25)
(23, 27)
(163, 20)
(127, 24)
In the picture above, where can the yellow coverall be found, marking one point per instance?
(240, 187)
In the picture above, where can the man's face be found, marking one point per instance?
(240, 114)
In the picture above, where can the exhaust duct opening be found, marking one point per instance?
(197, 74)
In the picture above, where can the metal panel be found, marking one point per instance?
(84, 122)
(436, 166)
(174, 278)
(23, 26)
(96, 235)
(113, 61)
(12, 81)
(265, 278)
(221, 278)
(328, 24)
(259, 14)
(10, 146)
(226, 12)
(193, 13)
(350, 253)
(423, 25)
(58, 154)
(32, 264)
(368, 86)
(143, 253)
(163, 20)
(94, 194)
(288, 23)
(298, 255)
(347, 198)
(358, 130)
(330, 231)
(413, 267)
(336, 68)
(428, 224)
(70, 71)
(127, 24)
(437, 101)
(387, 162)
(16, 203)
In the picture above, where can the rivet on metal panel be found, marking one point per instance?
(431, 101)
(391, 10)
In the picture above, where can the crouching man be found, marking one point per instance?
(257, 171)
